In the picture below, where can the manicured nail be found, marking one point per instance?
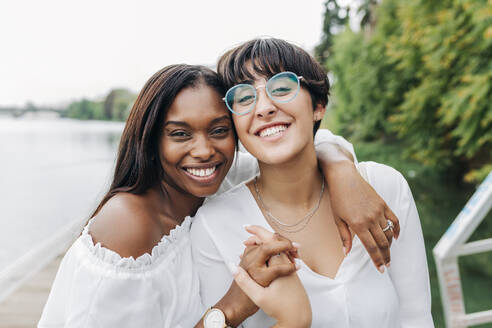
(344, 251)
(246, 226)
(381, 269)
(295, 244)
(233, 268)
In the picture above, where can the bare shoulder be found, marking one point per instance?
(126, 225)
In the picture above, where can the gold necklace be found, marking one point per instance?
(289, 228)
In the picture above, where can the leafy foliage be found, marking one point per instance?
(423, 76)
(439, 201)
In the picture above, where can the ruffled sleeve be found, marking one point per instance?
(96, 287)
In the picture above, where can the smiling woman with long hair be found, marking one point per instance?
(132, 264)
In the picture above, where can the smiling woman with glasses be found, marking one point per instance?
(278, 95)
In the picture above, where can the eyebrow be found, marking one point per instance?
(214, 121)
(220, 119)
(176, 123)
(246, 82)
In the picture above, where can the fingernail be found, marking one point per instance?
(246, 226)
(232, 268)
(298, 267)
(295, 244)
(344, 251)
(381, 269)
(388, 264)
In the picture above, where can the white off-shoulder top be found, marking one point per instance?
(358, 296)
(96, 287)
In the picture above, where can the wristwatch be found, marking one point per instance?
(214, 318)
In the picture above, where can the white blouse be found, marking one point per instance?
(359, 296)
(96, 287)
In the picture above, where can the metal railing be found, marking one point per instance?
(452, 245)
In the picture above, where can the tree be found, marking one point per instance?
(335, 20)
(336, 17)
(118, 103)
(424, 77)
(85, 109)
(116, 106)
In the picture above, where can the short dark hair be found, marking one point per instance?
(269, 56)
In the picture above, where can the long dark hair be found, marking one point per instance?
(138, 167)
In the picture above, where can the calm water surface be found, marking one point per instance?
(52, 172)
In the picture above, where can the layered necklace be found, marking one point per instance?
(291, 227)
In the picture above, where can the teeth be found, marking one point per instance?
(201, 172)
(272, 130)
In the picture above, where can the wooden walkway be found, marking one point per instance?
(22, 309)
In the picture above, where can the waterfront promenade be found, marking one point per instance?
(22, 308)
(66, 166)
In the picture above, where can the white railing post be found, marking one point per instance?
(452, 245)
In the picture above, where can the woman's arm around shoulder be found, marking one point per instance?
(245, 165)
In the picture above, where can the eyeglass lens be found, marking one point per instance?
(282, 87)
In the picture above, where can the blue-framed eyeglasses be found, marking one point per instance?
(281, 88)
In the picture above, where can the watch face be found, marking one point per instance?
(214, 319)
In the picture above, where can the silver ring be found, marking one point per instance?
(389, 226)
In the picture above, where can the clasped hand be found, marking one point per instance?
(267, 275)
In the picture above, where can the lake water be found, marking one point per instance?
(52, 174)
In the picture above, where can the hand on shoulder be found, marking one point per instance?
(126, 225)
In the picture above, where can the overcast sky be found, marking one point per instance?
(55, 51)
